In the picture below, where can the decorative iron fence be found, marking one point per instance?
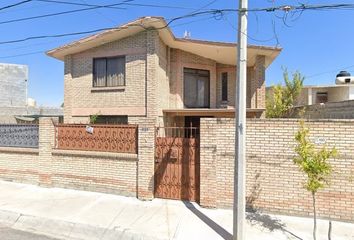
(19, 135)
(177, 132)
(101, 138)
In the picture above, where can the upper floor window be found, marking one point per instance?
(196, 88)
(224, 84)
(109, 72)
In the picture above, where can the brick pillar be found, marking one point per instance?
(46, 144)
(260, 81)
(152, 63)
(67, 89)
(208, 181)
(251, 100)
(146, 155)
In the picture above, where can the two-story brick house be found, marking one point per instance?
(141, 70)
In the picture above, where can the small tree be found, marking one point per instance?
(282, 98)
(314, 163)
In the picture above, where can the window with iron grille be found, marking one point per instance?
(109, 72)
(103, 119)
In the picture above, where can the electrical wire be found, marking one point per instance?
(21, 55)
(125, 4)
(330, 71)
(15, 5)
(100, 14)
(284, 8)
(43, 51)
(213, 12)
(62, 13)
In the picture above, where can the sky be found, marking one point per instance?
(316, 43)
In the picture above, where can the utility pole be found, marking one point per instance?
(239, 209)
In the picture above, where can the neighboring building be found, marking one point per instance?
(142, 70)
(322, 94)
(13, 85)
(14, 101)
(325, 101)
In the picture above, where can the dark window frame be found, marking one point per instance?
(112, 119)
(320, 96)
(201, 72)
(106, 59)
(224, 86)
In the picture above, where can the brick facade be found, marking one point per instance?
(154, 80)
(274, 183)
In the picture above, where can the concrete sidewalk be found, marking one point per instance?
(71, 214)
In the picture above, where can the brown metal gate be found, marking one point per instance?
(177, 164)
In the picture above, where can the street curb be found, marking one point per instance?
(65, 230)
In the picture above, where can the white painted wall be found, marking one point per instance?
(351, 93)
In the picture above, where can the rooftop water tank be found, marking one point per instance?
(344, 77)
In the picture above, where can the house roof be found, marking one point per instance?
(221, 52)
(321, 86)
(328, 86)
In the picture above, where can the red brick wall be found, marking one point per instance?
(274, 183)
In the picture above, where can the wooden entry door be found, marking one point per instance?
(177, 168)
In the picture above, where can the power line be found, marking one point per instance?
(213, 12)
(15, 5)
(62, 13)
(125, 4)
(113, 6)
(284, 8)
(248, 36)
(43, 51)
(33, 45)
(330, 71)
(207, 12)
(43, 43)
(100, 14)
(21, 55)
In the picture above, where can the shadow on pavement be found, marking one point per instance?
(213, 225)
(268, 222)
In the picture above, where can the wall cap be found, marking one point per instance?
(278, 120)
(20, 150)
(107, 89)
(118, 156)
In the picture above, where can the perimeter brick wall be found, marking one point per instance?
(330, 110)
(274, 183)
(118, 173)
